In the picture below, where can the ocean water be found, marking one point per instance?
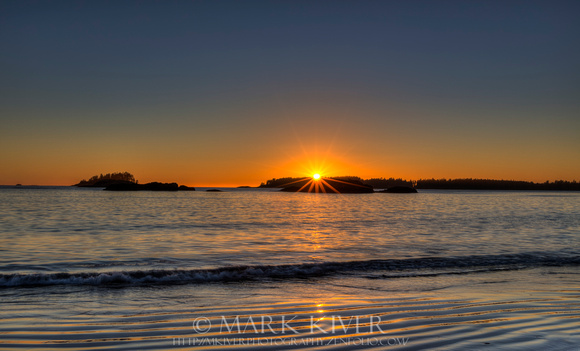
(89, 269)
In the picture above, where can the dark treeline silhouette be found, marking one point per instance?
(377, 183)
(103, 180)
(382, 183)
(459, 184)
(278, 182)
(125, 181)
(492, 184)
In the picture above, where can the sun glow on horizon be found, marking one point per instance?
(316, 176)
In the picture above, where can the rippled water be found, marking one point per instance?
(131, 270)
(69, 229)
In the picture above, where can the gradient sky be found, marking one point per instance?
(238, 92)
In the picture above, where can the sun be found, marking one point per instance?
(316, 176)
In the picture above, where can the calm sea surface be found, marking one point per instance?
(76, 246)
(90, 230)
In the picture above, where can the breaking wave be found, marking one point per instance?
(372, 269)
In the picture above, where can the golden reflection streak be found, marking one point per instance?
(320, 310)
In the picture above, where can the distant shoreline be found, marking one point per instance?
(442, 184)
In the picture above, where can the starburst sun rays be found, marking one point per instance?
(318, 184)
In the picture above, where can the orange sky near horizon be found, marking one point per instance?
(349, 149)
(337, 138)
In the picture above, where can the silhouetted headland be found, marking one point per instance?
(446, 184)
(342, 185)
(104, 180)
(125, 181)
(493, 184)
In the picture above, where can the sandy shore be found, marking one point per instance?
(535, 309)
